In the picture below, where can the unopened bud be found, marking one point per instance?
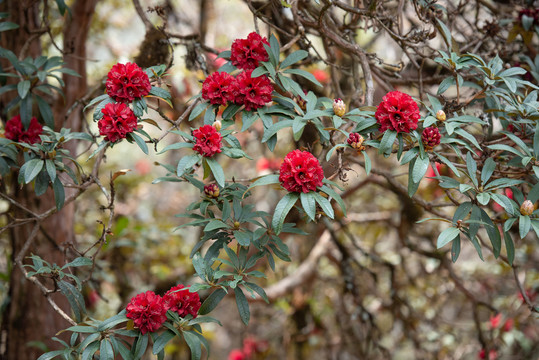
(355, 140)
(236, 225)
(217, 125)
(440, 115)
(527, 208)
(339, 108)
(211, 190)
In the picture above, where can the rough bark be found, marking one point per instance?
(29, 317)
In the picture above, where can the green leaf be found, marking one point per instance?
(194, 344)
(471, 165)
(455, 249)
(90, 350)
(243, 305)
(31, 168)
(488, 170)
(140, 346)
(161, 341)
(265, 180)
(51, 355)
(80, 261)
(23, 87)
(483, 198)
(6, 25)
(51, 169)
(420, 168)
(304, 74)
(212, 301)
(447, 236)
(504, 202)
(308, 203)
(217, 171)
(386, 144)
(281, 210)
(214, 225)
(59, 193)
(140, 142)
(187, 163)
(45, 111)
(294, 58)
(243, 238)
(493, 233)
(324, 204)
(509, 247)
(105, 350)
(199, 109)
(524, 224)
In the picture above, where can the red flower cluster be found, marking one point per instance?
(219, 88)
(431, 137)
(355, 140)
(126, 82)
(211, 190)
(118, 120)
(397, 111)
(300, 172)
(148, 311)
(246, 53)
(15, 130)
(181, 301)
(254, 92)
(208, 141)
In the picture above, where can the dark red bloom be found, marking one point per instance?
(431, 137)
(246, 53)
(15, 130)
(208, 141)
(397, 111)
(219, 88)
(118, 120)
(211, 190)
(180, 300)
(300, 172)
(148, 311)
(126, 82)
(253, 92)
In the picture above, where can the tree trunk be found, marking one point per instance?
(29, 317)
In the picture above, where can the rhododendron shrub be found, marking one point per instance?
(262, 101)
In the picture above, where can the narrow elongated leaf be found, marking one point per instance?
(420, 168)
(308, 203)
(186, 163)
(161, 341)
(471, 165)
(493, 233)
(455, 249)
(32, 168)
(281, 210)
(386, 144)
(324, 204)
(488, 170)
(447, 236)
(243, 305)
(509, 247)
(194, 344)
(212, 301)
(524, 225)
(105, 350)
(217, 171)
(59, 193)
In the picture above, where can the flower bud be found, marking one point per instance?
(431, 137)
(440, 115)
(211, 190)
(355, 140)
(527, 208)
(217, 125)
(339, 108)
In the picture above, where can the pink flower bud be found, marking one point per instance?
(527, 208)
(440, 115)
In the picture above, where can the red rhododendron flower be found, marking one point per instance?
(180, 300)
(126, 82)
(208, 141)
(236, 354)
(397, 111)
(15, 130)
(246, 53)
(495, 321)
(253, 92)
(431, 137)
(219, 88)
(148, 311)
(300, 172)
(118, 120)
